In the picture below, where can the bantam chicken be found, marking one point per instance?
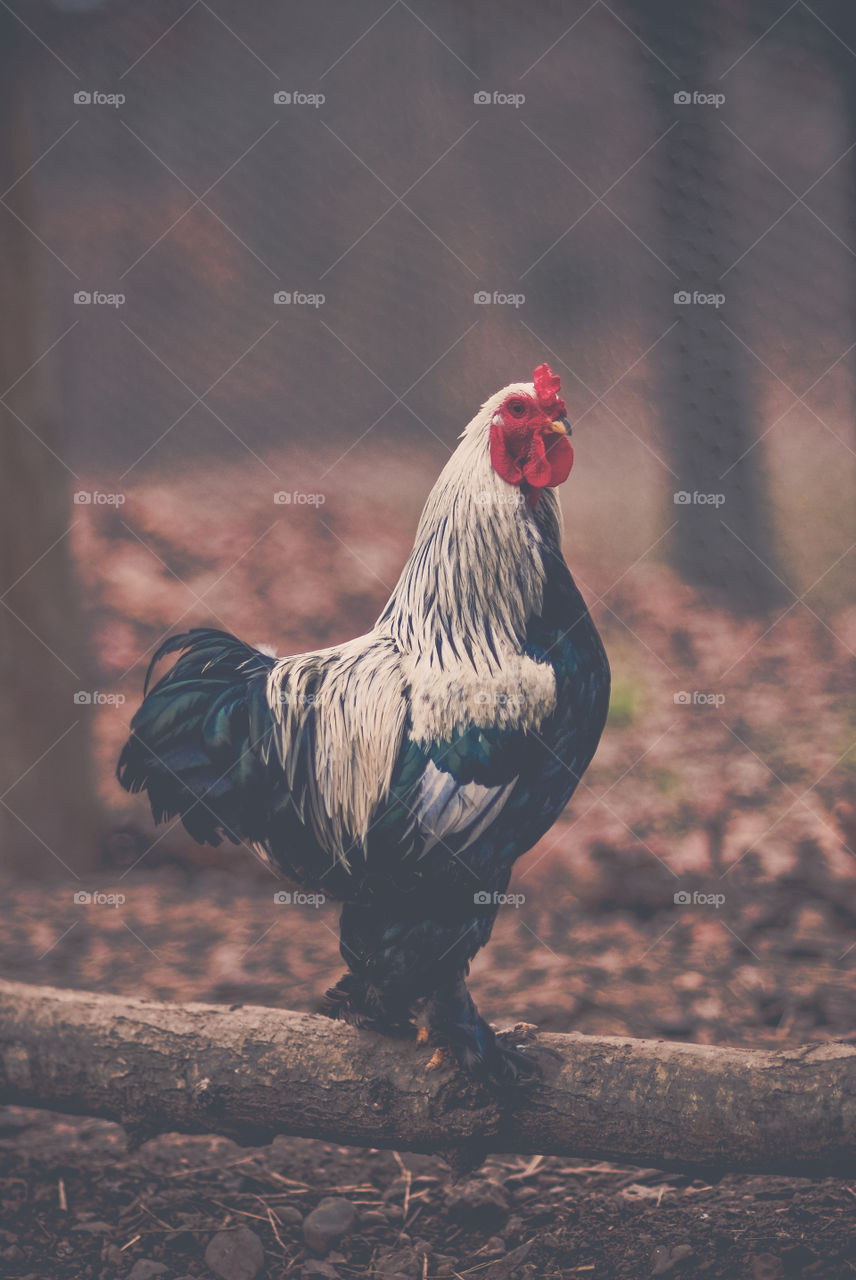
(404, 772)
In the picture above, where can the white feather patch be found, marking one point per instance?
(447, 808)
(352, 701)
(519, 695)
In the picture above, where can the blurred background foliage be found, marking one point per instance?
(596, 199)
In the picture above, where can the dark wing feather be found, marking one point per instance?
(447, 793)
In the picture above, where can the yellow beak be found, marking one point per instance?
(559, 427)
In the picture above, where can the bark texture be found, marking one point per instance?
(251, 1073)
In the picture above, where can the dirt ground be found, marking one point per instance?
(601, 952)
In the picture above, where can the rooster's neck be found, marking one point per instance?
(460, 611)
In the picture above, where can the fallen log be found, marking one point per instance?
(251, 1073)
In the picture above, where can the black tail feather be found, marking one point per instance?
(201, 738)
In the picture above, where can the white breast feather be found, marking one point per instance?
(519, 695)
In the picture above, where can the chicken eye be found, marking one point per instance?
(517, 407)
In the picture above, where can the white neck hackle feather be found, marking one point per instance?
(473, 580)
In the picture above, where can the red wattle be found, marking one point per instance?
(560, 455)
(502, 460)
(540, 459)
(536, 468)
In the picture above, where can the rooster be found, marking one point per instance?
(405, 771)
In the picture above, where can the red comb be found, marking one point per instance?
(547, 388)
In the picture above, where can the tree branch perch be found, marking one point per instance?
(252, 1073)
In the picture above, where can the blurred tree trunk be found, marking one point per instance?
(710, 411)
(46, 796)
(839, 37)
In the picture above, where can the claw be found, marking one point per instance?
(511, 1067)
(441, 1057)
(521, 1033)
